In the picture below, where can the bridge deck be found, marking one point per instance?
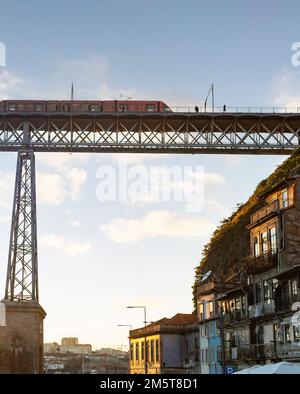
(234, 133)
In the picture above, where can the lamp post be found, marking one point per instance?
(130, 328)
(145, 335)
(211, 90)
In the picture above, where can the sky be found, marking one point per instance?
(97, 257)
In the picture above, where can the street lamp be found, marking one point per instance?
(130, 326)
(145, 335)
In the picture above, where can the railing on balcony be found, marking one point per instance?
(235, 316)
(262, 309)
(267, 210)
(248, 352)
(288, 349)
(285, 302)
(261, 263)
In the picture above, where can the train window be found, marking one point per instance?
(150, 107)
(123, 108)
(66, 108)
(39, 107)
(167, 109)
(52, 107)
(94, 107)
(75, 107)
(12, 107)
(84, 107)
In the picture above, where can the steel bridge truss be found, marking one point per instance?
(22, 269)
(153, 133)
(146, 133)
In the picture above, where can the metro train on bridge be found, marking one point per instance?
(73, 106)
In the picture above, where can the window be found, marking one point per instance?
(286, 333)
(52, 107)
(294, 287)
(244, 304)
(258, 292)
(256, 246)
(152, 350)
(284, 196)
(273, 240)
(142, 350)
(201, 311)
(206, 330)
(267, 291)
(296, 332)
(148, 350)
(186, 350)
(94, 107)
(123, 108)
(150, 107)
(157, 358)
(12, 107)
(66, 107)
(264, 242)
(39, 107)
(211, 308)
(75, 107)
(206, 355)
(131, 351)
(137, 348)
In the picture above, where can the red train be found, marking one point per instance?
(83, 106)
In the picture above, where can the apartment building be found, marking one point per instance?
(171, 346)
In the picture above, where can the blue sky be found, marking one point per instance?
(170, 50)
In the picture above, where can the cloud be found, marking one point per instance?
(156, 223)
(55, 188)
(10, 84)
(51, 188)
(6, 191)
(285, 88)
(61, 244)
(76, 178)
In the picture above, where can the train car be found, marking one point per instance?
(80, 106)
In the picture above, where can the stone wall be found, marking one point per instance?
(21, 339)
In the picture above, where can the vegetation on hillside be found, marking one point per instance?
(229, 244)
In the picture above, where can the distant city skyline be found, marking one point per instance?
(96, 258)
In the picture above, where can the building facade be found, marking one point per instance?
(262, 318)
(171, 346)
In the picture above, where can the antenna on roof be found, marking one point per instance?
(72, 92)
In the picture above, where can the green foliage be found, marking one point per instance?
(229, 244)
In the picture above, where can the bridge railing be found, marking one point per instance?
(232, 109)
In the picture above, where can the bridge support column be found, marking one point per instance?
(21, 338)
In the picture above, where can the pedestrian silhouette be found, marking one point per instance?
(196, 108)
(224, 108)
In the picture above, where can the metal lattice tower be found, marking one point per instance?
(22, 270)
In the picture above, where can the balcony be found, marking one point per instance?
(265, 212)
(235, 316)
(250, 352)
(288, 349)
(261, 263)
(285, 303)
(262, 309)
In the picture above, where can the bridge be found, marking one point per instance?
(175, 132)
(26, 133)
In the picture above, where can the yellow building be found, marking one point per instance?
(171, 344)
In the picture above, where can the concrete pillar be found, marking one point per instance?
(21, 338)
